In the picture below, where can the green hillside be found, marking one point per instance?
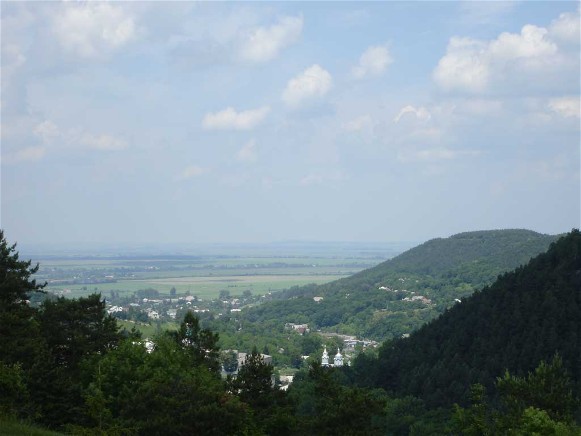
(473, 257)
(526, 316)
(440, 270)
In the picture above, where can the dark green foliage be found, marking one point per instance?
(13, 391)
(477, 420)
(254, 385)
(524, 317)
(75, 329)
(169, 395)
(200, 344)
(541, 403)
(16, 284)
(548, 388)
(480, 256)
(325, 406)
(18, 330)
(229, 361)
(310, 343)
(254, 382)
(75, 334)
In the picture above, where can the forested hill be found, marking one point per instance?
(384, 302)
(476, 258)
(495, 248)
(524, 317)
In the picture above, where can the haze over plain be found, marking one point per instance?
(248, 122)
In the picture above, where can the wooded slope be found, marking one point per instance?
(524, 317)
(442, 270)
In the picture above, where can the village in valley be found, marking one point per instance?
(161, 311)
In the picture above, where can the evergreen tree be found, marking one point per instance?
(253, 383)
(547, 388)
(541, 403)
(200, 344)
(76, 334)
(76, 328)
(18, 330)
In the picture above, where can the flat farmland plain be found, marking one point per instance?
(207, 287)
(262, 269)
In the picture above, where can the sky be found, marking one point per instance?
(201, 122)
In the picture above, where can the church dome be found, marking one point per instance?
(338, 361)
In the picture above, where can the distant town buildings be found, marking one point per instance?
(300, 328)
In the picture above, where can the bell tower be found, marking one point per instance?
(325, 359)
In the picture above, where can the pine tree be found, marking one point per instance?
(253, 383)
(201, 344)
(18, 330)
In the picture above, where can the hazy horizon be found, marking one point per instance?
(224, 248)
(143, 123)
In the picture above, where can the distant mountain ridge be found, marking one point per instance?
(524, 317)
(441, 270)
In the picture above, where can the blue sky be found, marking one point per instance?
(140, 122)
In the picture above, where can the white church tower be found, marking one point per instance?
(338, 359)
(325, 359)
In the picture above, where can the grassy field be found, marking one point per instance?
(262, 270)
(15, 428)
(204, 287)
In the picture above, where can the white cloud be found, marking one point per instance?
(421, 113)
(464, 66)
(235, 180)
(435, 154)
(476, 106)
(313, 82)
(47, 131)
(558, 167)
(12, 57)
(568, 107)
(373, 62)
(192, 171)
(472, 65)
(26, 154)
(248, 152)
(229, 119)
(530, 43)
(311, 179)
(479, 12)
(438, 154)
(103, 142)
(324, 178)
(91, 29)
(566, 28)
(362, 123)
(265, 43)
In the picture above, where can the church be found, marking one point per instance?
(337, 361)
